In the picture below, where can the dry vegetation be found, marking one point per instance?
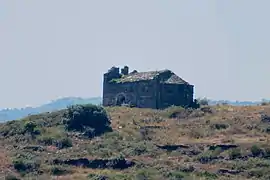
(213, 142)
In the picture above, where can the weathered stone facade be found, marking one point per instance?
(153, 89)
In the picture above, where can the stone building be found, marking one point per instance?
(153, 89)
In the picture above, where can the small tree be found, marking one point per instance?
(235, 153)
(203, 101)
(31, 127)
(87, 118)
(256, 150)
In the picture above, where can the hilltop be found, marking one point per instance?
(212, 142)
(58, 104)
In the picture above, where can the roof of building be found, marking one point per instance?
(171, 78)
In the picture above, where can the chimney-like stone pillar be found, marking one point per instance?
(125, 70)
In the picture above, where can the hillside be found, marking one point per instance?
(58, 104)
(213, 142)
(13, 114)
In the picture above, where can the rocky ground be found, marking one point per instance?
(213, 142)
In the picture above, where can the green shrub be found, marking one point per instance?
(59, 142)
(87, 118)
(265, 103)
(256, 151)
(267, 152)
(219, 126)
(31, 127)
(46, 140)
(197, 133)
(58, 170)
(140, 148)
(176, 175)
(208, 156)
(266, 129)
(12, 128)
(175, 112)
(195, 104)
(203, 101)
(11, 177)
(207, 175)
(64, 142)
(146, 174)
(25, 165)
(235, 153)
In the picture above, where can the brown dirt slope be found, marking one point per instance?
(213, 142)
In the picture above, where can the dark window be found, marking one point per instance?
(145, 89)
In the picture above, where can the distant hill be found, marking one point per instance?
(235, 103)
(17, 113)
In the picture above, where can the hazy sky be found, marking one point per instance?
(50, 49)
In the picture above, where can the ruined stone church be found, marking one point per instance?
(152, 89)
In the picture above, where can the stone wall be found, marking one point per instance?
(112, 73)
(140, 94)
(144, 93)
(175, 94)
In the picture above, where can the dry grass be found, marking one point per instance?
(136, 132)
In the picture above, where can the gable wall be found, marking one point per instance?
(175, 94)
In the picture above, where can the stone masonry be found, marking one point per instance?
(153, 89)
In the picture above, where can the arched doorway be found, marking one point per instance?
(120, 99)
